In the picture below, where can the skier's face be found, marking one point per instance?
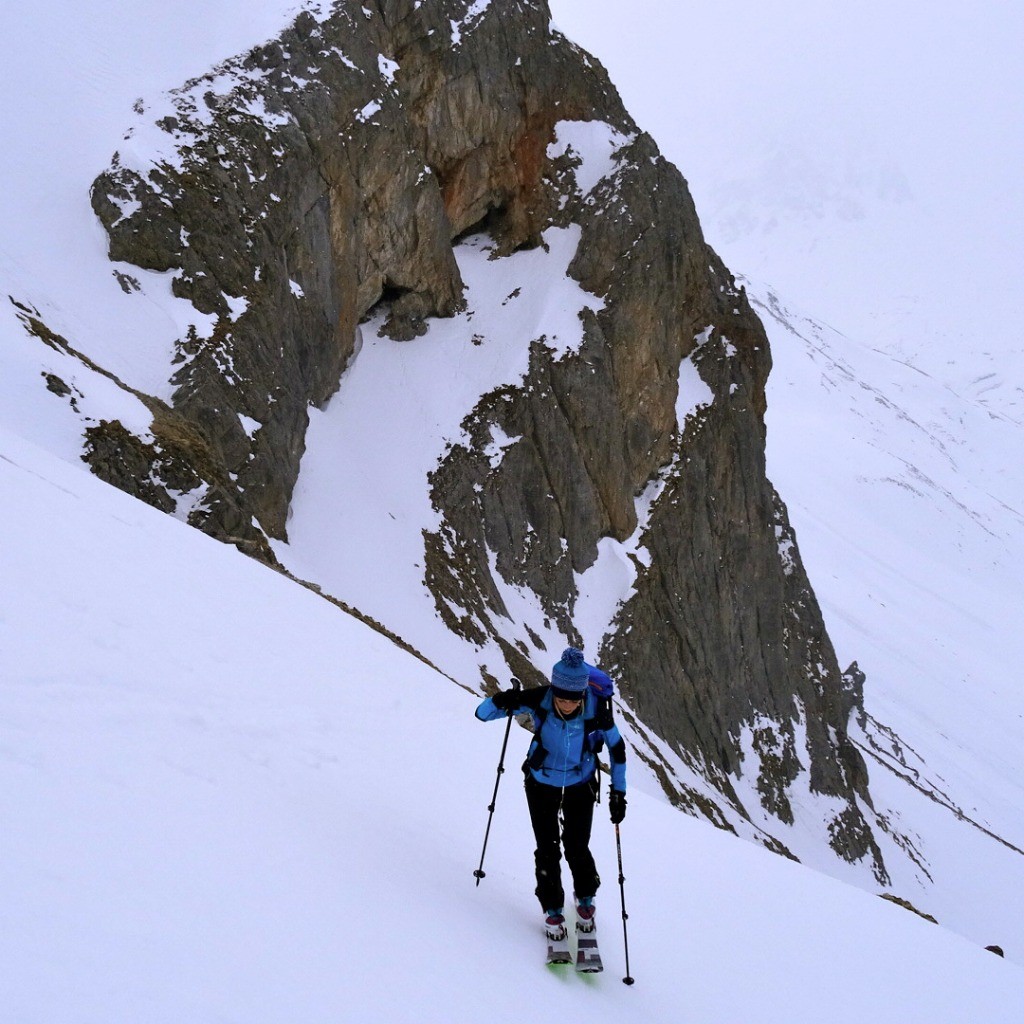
(567, 705)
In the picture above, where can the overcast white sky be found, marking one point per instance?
(865, 158)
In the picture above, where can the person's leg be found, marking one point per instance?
(543, 802)
(578, 813)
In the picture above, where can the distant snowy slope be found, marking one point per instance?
(207, 817)
(909, 513)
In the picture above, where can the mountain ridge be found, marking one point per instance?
(417, 144)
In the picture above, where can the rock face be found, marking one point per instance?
(331, 174)
(270, 212)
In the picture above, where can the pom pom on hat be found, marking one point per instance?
(571, 673)
(572, 657)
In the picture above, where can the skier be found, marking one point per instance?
(572, 720)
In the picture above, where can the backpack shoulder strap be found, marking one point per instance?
(603, 689)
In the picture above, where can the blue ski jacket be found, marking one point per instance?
(564, 750)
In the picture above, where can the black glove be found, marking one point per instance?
(506, 700)
(616, 805)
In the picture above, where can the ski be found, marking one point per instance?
(558, 944)
(588, 956)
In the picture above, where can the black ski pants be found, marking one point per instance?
(575, 805)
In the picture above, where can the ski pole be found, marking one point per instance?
(622, 893)
(480, 873)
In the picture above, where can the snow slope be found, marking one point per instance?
(910, 520)
(194, 835)
(208, 817)
(412, 398)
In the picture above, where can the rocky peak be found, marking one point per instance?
(320, 181)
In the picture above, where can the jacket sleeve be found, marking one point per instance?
(617, 757)
(487, 712)
(528, 700)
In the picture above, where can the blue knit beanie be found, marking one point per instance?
(571, 674)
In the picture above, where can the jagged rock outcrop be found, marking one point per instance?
(327, 172)
(295, 196)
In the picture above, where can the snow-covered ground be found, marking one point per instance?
(224, 799)
(204, 816)
(909, 511)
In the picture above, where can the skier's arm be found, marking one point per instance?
(609, 730)
(510, 702)
(488, 711)
(617, 757)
